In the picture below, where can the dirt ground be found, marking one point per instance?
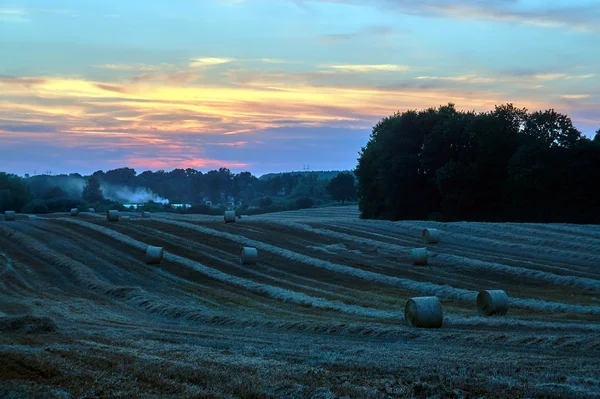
(319, 316)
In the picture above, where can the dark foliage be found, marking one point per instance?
(14, 193)
(503, 165)
(92, 191)
(342, 187)
(306, 202)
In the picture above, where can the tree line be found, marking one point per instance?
(508, 164)
(113, 188)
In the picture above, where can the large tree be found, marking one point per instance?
(92, 191)
(342, 187)
(14, 192)
(506, 164)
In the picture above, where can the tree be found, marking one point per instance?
(552, 128)
(342, 187)
(503, 165)
(597, 137)
(121, 176)
(14, 192)
(54, 192)
(92, 191)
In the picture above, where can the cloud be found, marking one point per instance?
(169, 163)
(575, 96)
(461, 78)
(25, 81)
(583, 17)
(275, 61)
(202, 62)
(232, 144)
(134, 67)
(178, 77)
(560, 76)
(114, 88)
(365, 68)
(378, 31)
(13, 15)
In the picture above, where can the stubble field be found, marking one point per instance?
(319, 316)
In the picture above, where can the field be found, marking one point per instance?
(319, 316)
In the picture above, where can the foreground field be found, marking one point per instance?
(319, 316)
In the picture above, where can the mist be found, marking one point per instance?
(128, 195)
(73, 186)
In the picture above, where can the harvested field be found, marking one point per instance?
(320, 315)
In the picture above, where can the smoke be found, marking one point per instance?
(128, 195)
(73, 185)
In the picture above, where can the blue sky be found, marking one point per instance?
(270, 86)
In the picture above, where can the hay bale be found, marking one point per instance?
(146, 215)
(74, 211)
(430, 236)
(10, 216)
(248, 256)
(229, 217)
(154, 255)
(112, 215)
(31, 217)
(424, 312)
(419, 256)
(492, 302)
(91, 210)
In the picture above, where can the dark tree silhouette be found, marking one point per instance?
(92, 191)
(14, 192)
(503, 165)
(342, 187)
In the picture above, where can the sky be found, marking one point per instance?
(271, 85)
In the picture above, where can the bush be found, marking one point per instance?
(35, 206)
(60, 204)
(302, 203)
(265, 202)
(151, 207)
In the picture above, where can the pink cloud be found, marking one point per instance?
(168, 163)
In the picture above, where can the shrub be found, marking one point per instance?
(306, 202)
(35, 206)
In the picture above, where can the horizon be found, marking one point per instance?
(137, 172)
(255, 86)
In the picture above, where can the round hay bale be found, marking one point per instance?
(424, 312)
(430, 236)
(154, 255)
(419, 256)
(248, 256)
(229, 217)
(74, 211)
(91, 210)
(10, 216)
(146, 215)
(112, 216)
(492, 302)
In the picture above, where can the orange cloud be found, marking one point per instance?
(238, 101)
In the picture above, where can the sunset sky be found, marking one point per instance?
(271, 85)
